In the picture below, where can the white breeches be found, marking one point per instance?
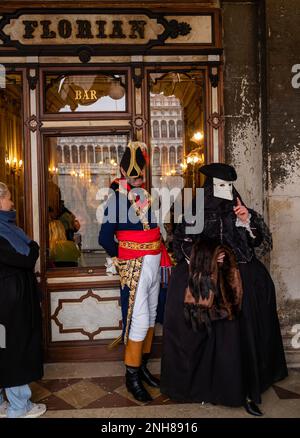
(145, 305)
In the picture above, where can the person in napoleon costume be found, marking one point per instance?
(141, 258)
(222, 342)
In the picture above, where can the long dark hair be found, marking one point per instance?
(200, 268)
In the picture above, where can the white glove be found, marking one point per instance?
(110, 265)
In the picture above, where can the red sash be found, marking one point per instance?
(140, 237)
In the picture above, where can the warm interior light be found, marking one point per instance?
(195, 157)
(197, 137)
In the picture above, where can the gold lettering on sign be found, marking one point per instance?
(83, 29)
(85, 95)
(73, 28)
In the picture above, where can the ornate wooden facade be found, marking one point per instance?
(81, 305)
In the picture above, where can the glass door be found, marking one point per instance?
(178, 146)
(80, 168)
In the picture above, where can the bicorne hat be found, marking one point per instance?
(219, 170)
(134, 159)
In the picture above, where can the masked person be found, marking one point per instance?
(222, 342)
(139, 255)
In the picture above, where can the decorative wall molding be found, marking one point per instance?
(214, 76)
(138, 123)
(32, 80)
(85, 54)
(33, 123)
(215, 120)
(137, 76)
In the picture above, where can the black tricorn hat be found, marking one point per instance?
(134, 159)
(219, 170)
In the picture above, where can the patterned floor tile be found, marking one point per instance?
(285, 394)
(111, 392)
(112, 400)
(54, 403)
(39, 392)
(58, 384)
(162, 400)
(81, 394)
(109, 384)
(291, 383)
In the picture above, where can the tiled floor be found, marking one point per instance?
(90, 390)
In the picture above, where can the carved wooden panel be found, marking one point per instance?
(85, 315)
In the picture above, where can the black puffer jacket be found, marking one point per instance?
(21, 360)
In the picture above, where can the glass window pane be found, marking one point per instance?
(74, 93)
(11, 141)
(177, 114)
(80, 171)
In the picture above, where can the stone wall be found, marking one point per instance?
(283, 49)
(243, 143)
(262, 116)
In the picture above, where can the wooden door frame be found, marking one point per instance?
(87, 350)
(209, 127)
(26, 147)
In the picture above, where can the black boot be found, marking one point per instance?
(252, 408)
(134, 384)
(145, 374)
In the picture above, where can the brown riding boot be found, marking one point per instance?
(145, 374)
(133, 359)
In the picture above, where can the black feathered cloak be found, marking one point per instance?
(241, 357)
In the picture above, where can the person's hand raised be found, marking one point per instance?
(241, 211)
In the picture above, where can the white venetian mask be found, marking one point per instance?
(223, 189)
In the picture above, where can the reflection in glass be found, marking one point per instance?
(80, 171)
(11, 141)
(62, 251)
(177, 112)
(85, 93)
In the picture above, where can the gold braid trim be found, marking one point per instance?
(130, 272)
(141, 212)
(140, 246)
(133, 146)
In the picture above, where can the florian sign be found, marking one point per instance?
(29, 28)
(87, 32)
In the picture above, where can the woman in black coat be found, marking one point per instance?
(241, 357)
(20, 316)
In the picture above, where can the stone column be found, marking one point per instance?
(242, 99)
